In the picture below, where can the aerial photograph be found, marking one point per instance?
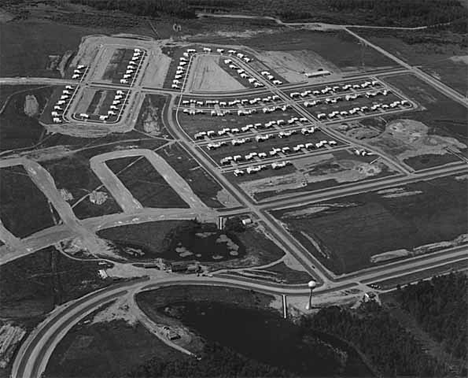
(233, 188)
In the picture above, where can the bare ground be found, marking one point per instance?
(207, 76)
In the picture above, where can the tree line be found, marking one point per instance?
(216, 361)
(150, 8)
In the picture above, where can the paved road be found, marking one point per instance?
(35, 352)
(36, 80)
(451, 93)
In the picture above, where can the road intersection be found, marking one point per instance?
(35, 352)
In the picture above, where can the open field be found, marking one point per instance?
(80, 187)
(27, 54)
(451, 71)
(189, 241)
(405, 140)
(347, 234)
(7, 91)
(443, 116)
(106, 349)
(24, 208)
(145, 183)
(345, 56)
(201, 182)
(17, 129)
(33, 285)
(312, 172)
(206, 75)
(150, 118)
(175, 241)
(440, 53)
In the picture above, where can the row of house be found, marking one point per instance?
(227, 130)
(132, 67)
(62, 103)
(363, 109)
(271, 77)
(241, 72)
(181, 70)
(258, 168)
(334, 89)
(79, 72)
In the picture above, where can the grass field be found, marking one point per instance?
(350, 230)
(9, 90)
(437, 52)
(290, 276)
(24, 208)
(192, 241)
(106, 350)
(442, 115)
(27, 54)
(17, 130)
(345, 54)
(74, 175)
(201, 182)
(174, 241)
(145, 183)
(34, 284)
(430, 161)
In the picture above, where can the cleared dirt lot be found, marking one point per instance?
(207, 76)
(346, 54)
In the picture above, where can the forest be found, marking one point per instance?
(364, 12)
(441, 308)
(391, 350)
(216, 361)
(148, 8)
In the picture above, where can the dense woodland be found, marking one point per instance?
(216, 361)
(369, 12)
(441, 308)
(388, 346)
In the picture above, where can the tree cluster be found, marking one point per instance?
(441, 308)
(216, 361)
(387, 345)
(150, 8)
(403, 12)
